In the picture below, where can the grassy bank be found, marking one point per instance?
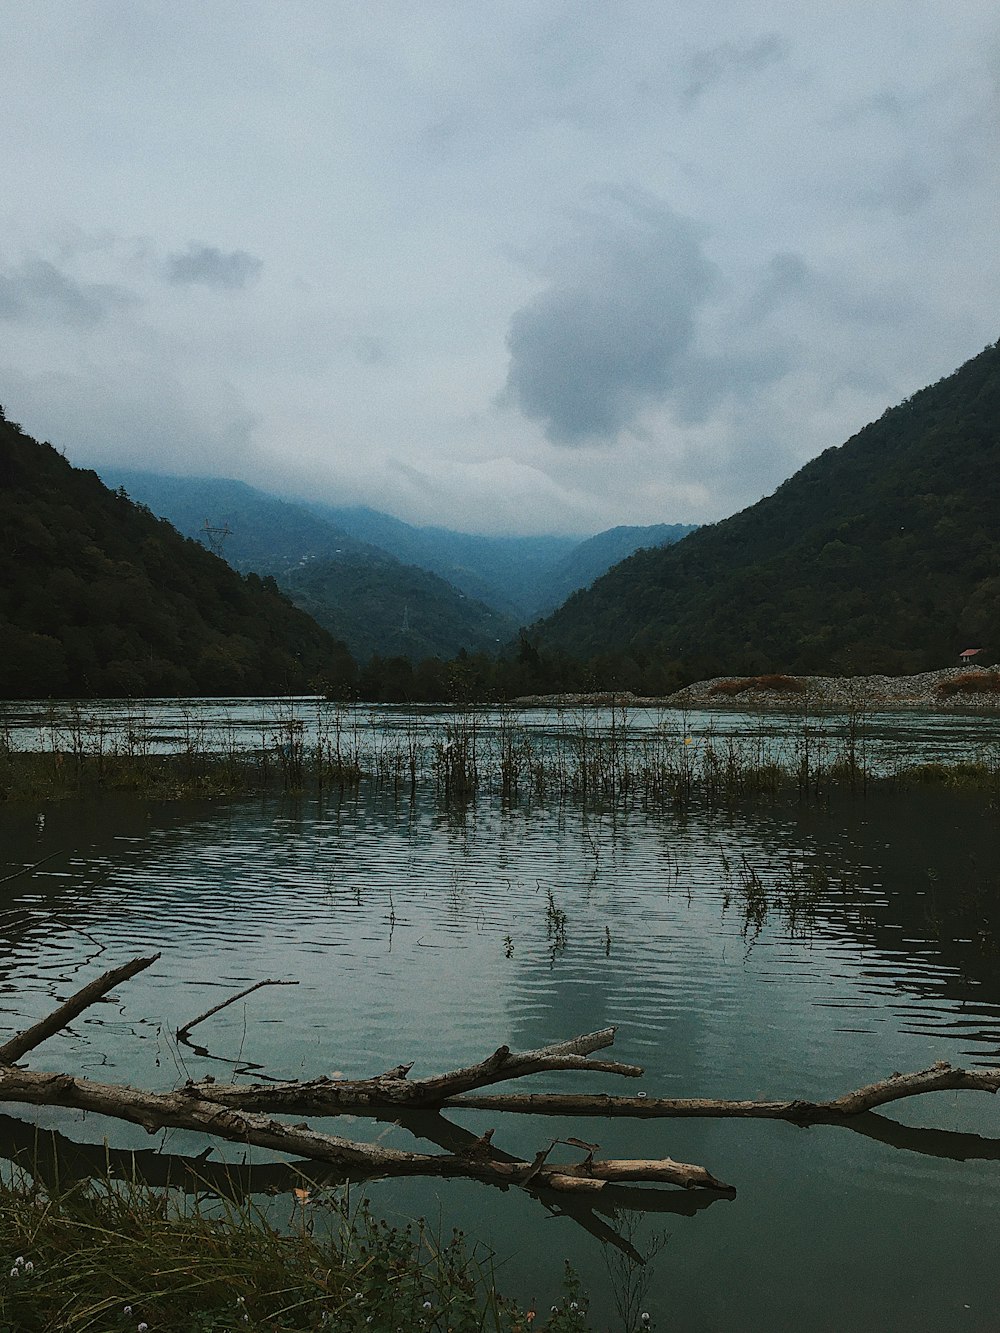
(123, 1258)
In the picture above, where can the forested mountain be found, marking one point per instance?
(251, 530)
(99, 597)
(395, 610)
(589, 559)
(509, 573)
(519, 577)
(357, 591)
(880, 555)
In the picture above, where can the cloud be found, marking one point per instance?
(727, 60)
(136, 415)
(608, 334)
(39, 292)
(210, 267)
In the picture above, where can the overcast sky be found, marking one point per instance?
(527, 266)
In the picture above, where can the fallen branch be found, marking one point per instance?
(241, 1113)
(182, 1032)
(29, 870)
(190, 1108)
(31, 1037)
(329, 1096)
(184, 1109)
(940, 1077)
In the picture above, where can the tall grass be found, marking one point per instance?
(118, 1255)
(597, 756)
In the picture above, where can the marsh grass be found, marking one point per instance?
(113, 1255)
(597, 757)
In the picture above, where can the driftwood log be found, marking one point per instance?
(194, 1106)
(244, 1113)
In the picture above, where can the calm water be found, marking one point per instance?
(419, 934)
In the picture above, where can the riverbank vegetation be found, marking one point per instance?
(608, 755)
(118, 1255)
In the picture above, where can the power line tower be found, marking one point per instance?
(215, 536)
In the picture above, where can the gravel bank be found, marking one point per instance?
(921, 691)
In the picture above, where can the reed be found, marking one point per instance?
(597, 756)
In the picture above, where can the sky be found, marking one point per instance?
(524, 266)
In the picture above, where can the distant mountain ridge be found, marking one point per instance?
(379, 583)
(356, 591)
(880, 555)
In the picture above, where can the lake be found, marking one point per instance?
(426, 932)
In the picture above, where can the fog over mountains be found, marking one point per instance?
(378, 583)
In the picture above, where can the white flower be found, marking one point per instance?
(127, 1310)
(574, 1305)
(644, 1317)
(141, 1328)
(428, 1306)
(15, 1272)
(29, 1267)
(19, 1261)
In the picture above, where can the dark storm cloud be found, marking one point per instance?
(211, 267)
(609, 333)
(716, 64)
(38, 291)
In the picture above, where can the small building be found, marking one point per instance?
(968, 654)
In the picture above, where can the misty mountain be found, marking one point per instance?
(372, 601)
(517, 578)
(880, 555)
(509, 573)
(588, 560)
(523, 576)
(98, 597)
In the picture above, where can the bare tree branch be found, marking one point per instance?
(184, 1109)
(182, 1032)
(27, 1040)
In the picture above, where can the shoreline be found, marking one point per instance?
(847, 693)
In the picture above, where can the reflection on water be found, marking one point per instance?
(421, 934)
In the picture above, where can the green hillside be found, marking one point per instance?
(589, 559)
(362, 594)
(99, 598)
(395, 610)
(882, 555)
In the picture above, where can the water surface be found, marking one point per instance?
(419, 933)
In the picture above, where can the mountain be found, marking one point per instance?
(507, 573)
(100, 598)
(521, 576)
(880, 555)
(395, 610)
(589, 559)
(357, 591)
(251, 530)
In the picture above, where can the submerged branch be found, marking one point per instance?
(940, 1077)
(182, 1032)
(27, 1040)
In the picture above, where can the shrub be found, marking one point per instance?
(971, 682)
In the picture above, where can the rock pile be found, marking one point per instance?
(837, 692)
